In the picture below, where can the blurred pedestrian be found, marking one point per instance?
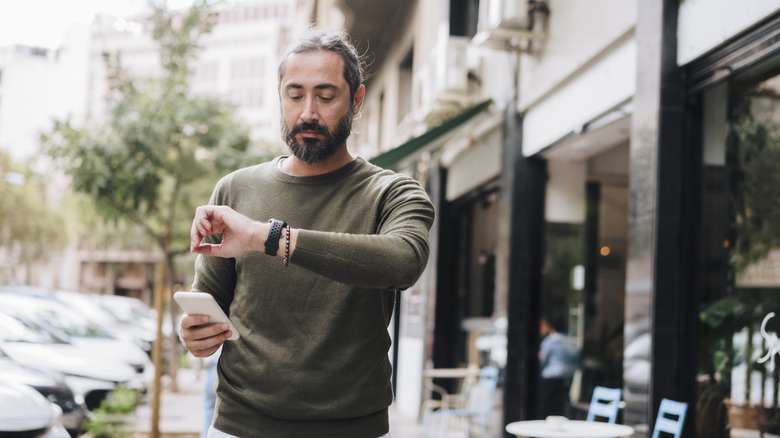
(209, 393)
(558, 359)
(311, 293)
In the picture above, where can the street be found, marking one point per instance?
(181, 414)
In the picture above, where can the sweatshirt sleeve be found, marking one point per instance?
(393, 258)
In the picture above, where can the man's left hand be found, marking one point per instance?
(240, 235)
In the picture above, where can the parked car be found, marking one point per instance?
(49, 383)
(139, 327)
(133, 314)
(83, 333)
(24, 412)
(91, 377)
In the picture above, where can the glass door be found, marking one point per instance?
(738, 346)
(583, 292)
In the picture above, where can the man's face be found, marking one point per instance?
(316, 106)
(544, 328)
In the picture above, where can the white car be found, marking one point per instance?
(90, 377)
(83, 334)
(124, 317)
(50, 384)
(134, 315)
(25, 412)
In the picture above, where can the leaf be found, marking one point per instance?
(716, 313)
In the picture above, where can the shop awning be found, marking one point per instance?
(395, 155)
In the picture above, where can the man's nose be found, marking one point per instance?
(310, 113)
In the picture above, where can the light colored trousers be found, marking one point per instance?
(214, 433)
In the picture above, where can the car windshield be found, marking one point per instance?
(88, 305)
(127, 310)
(73, 324)
(13, 329)
(56, 315)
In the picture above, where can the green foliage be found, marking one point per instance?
(29, 226)
(185, 361)
(756, 178)
(715, 314)
(110, 419)
(161, 149)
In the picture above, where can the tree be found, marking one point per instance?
(29, 229)
(161, 148)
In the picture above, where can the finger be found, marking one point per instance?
(195, 238)
(204, 353)
(209, 330)
(204, 226)
(205, 340)
(199, 229)
(206, 347)
(211, 349)
(207, 249)
(188, 321)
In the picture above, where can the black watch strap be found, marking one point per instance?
(272, 242)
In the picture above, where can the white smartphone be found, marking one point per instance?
(202, 303)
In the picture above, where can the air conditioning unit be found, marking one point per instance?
(510, 24)
(506, 14)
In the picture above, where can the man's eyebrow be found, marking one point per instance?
(316, 87)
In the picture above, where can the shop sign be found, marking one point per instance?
(772, 341)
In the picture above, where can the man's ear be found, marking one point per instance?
(357, 101)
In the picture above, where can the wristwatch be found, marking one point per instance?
(272, 242)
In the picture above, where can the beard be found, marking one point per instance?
(313, 150)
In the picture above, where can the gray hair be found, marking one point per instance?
(315, 41)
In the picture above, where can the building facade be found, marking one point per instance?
(606, 165)
(237, 60)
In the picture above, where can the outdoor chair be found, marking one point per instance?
(446, 400)
(605, 403)
(670, 419)
(471, 418)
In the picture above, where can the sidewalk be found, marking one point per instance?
(181, 414)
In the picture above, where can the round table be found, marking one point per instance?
(568, 429)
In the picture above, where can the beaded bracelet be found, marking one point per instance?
(286, 261)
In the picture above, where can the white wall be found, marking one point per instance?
(704, 24)
(606, 84)
(577, 33)
(565, 192)
(586, 68)
(34, 90)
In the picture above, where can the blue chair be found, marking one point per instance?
(665, 422)
(476, 409)
(605, 403)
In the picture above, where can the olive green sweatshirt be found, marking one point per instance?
(312, 359)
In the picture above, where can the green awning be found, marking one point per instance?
(398, 153)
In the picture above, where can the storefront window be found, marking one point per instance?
(583, 290)
(738, 347)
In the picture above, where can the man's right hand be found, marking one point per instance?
(201, 338)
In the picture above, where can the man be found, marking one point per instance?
(558, 360)
(313, 315)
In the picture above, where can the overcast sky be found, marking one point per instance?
(43, 22)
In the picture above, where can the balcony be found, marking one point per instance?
(373, 24)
